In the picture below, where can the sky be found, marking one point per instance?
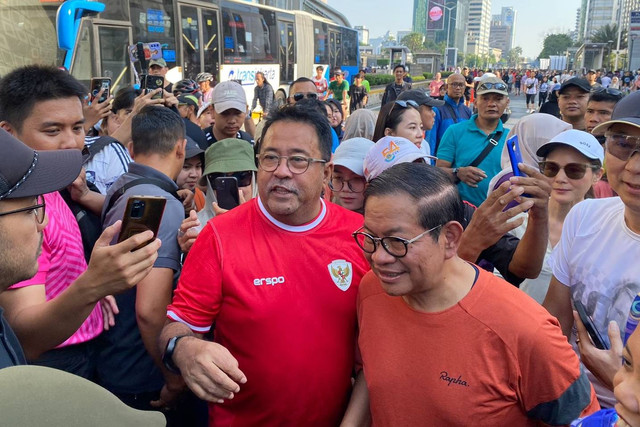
(534, 19)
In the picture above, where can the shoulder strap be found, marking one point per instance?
(493, 142)
(98, 146)
(120, 191)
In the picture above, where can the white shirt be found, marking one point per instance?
(107, 165)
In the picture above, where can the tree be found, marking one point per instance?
(513, 56)
(555, 44)
(413, 41)
(610, 33)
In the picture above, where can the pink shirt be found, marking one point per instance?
(62, 261)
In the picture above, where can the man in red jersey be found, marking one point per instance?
(278, 275)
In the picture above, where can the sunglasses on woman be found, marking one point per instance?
(244, 178)
(571, 170)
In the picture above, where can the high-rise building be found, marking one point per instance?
(478, 26)
(451, 26)
(598, 14)
(627, 7)
(502, 30)
(508, 18)
(363, 34)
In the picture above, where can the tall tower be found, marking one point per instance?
(478, 27)
(600, 13)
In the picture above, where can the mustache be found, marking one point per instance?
(282, 184)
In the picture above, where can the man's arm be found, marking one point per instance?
(470, 175)
(558, 304)
(208, 368)
(42, 325)
(358, 413)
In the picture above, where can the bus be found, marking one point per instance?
(231, 39)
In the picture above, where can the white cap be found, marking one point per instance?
(227, 95)
(582, 141)
(389, 151)
(351, 153)
(201, 110)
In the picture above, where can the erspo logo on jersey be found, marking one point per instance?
(272, 281)
(341, 272)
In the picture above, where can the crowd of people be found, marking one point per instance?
(386, 269)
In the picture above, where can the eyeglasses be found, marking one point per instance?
(394, 246)
(37, 210)
(244, 178)
(571, 170)
(622, 146)
(487, 86)
(608, 90)
(296, 164)
(356, 185)
(299, 96)
(456, 84)
(406, 103)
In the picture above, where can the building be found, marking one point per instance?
(508, 19)
(500, 36)
(627, 7)
(598, 14)
(363, 34)
(478, 26)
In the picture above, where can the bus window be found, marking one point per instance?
(335, 49)
(287, 51)
(190, 41)
(320, 43)
(114, 61)
(349, 47)
(117, 10)
(82, 66)
(249, 35)
(153, 21)
(210, 42)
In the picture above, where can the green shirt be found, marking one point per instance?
(338, 89)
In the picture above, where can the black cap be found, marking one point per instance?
(626, 111)
(28, 173)
(420, 97)
(192, 149)
(189, 100)
(576, 82)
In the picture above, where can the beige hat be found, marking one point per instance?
(227, 95)
(39, 396)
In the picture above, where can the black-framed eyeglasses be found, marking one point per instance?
(571, 170)
(456, 84)
(297, 164)
(488, 86)
(356, 185)
(38, 210)
(244, 178)
(394, 246)
(622, 146)
(298, 96)
(608, 91)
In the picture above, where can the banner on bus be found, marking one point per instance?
(246, 75)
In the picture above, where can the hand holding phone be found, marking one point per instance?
(227, 192)
(150, 83)
(141, 214)
(515, 156)
(590, 327)
(98, 84)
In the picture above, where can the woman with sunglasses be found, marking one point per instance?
(229, 157)
(401, 118)
(572, 160)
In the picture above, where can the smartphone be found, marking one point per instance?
(141, 214)
(227, 192)
(150, 83)
(97, 84)
(515, 156)
(591, 329)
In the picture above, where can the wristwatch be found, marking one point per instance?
(454, 171)
(167, 356)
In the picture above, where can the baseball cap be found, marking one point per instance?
(591, 71)
(626, 111)
(582, 141)
(38, 395)
(229, 155)
(188, 99)
(492, 84)
(161, 62)
(351, 153)
(578, 82)
(25, 172)
(389, 151)
(192, 149)
(203, 108)
(227, 95)
(420, 97)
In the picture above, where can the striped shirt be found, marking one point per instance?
(107, 165)
(61, 262)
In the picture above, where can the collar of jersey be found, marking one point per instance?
(294, 228)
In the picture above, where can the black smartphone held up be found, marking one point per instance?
(97, 84)
(227, 192)
(515, 156)
(591, 329)
(141, 214)
(150, 83)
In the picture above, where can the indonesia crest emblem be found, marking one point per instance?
(341, 273)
